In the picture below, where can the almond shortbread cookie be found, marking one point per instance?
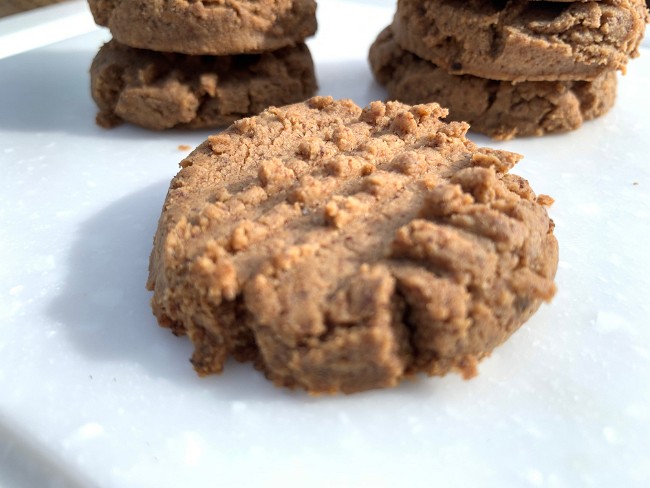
(343, 249)
(500, 109)
(164, 90)
(215, 27)
(521, 40)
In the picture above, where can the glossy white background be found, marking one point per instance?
(93, 393)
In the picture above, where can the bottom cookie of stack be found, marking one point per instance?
(159, 90)
(500, 109)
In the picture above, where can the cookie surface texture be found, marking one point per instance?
(500, 109)
(164, 90)
(343, 249)
(520, 40)
(215, 27)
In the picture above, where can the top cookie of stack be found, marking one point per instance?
(199, 64)
(523, 40)
(519, 50)
(215, 27)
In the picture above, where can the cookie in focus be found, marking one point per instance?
(342, 249)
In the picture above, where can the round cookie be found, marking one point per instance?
(343, 249)
(500, 109)
(164, 90)
(520, 40)
(215, 27)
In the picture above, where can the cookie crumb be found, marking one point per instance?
(545, 200)
(184, 147)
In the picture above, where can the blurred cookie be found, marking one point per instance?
(211, 27)
(164, 90)
(343, 249)
(521, 40)
(500, 109)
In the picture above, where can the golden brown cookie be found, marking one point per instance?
(343, 249)
(164, 90)
(500, 109)
(215, 27)
(521, 40)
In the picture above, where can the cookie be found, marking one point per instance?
(215, 27)
(343, 249)
(164, 90)
(500, 109)
(519, 40)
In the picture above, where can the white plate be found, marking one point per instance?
(94, 393)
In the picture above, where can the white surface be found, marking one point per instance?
(39, 27)
(93, 393)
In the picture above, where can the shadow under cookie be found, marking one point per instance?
(163, 90)
(500, 109)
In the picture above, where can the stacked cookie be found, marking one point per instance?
(173, 63)
(510, 67)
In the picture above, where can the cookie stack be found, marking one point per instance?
(510, 67)
(174, 63)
